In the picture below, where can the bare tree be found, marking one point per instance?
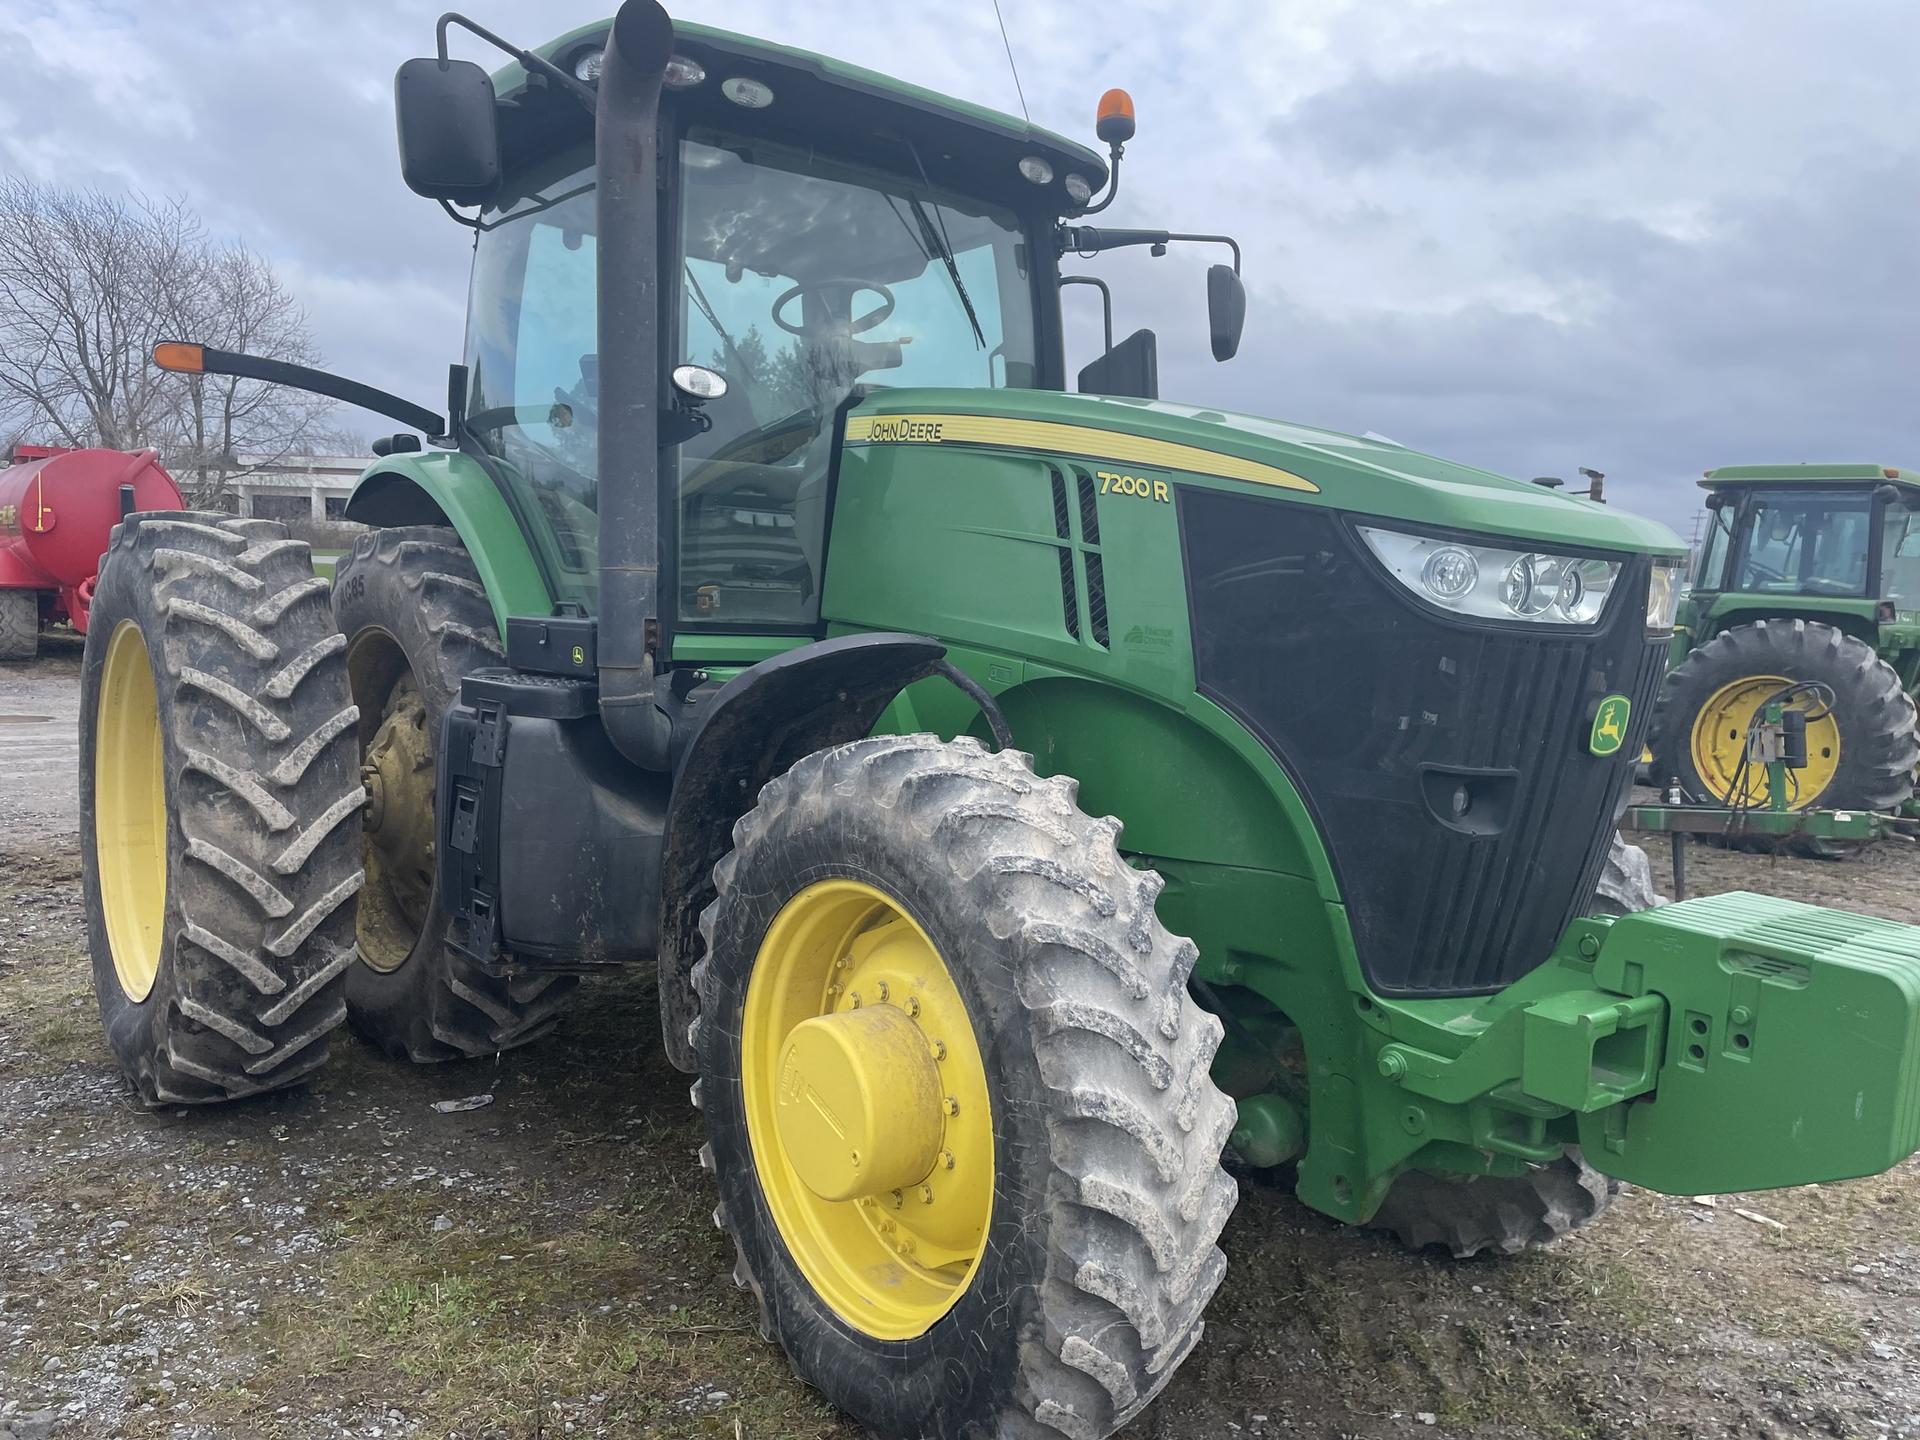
(88, 282)
(232, 300)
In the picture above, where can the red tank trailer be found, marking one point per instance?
(57, 508)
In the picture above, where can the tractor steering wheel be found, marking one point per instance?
(848, 288)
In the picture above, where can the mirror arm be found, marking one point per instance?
(1106, 299)
(470, 221)
(1087, 240)
(527, 58)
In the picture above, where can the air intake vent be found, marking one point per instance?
(1069, 602)
(1096, 598)
(1089, 513)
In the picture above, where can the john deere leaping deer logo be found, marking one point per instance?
(1610, 725)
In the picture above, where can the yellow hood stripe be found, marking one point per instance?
(1101, 446)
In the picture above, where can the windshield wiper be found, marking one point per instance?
(937, 243)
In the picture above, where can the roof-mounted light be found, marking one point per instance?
(683, 73)
(1113, 121)
(587, 68)
(1036, 169)
(748, 94)
(1079, 189)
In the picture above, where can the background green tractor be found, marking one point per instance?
(1808, 576)
(767, 611)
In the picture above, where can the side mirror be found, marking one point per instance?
(1226, 310)
(1131, 368)
(449, 135)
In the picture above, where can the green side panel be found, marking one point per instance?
(464, 494)
(1792, 1052)
(696, 647)
(1348, 473)
(1071, 606)
(1707, 615)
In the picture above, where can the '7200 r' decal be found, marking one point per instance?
(1110, 447)
(1114, 484)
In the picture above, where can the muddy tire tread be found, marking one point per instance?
(263, 863)
(1494, 1214)
(457, 1009)
(1136, 1194)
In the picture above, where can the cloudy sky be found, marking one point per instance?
(1646, 236)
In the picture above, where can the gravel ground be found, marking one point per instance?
(345, 1260)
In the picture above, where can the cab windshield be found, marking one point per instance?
(1811, 542)
(800, 278)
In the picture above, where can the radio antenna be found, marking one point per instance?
(1017, 87)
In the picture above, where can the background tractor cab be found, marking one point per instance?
(1807, 574)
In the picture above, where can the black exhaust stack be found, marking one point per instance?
(626, 161)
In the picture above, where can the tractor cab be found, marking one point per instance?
(821, 233)
(1838, 538)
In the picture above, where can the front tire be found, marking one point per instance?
(1048, 1272)
(417, 621)
(219, 809)
(1468, 1215)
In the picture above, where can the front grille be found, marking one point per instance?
(1379, 709)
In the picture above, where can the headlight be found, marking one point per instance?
(1663, 592)
(1492, 583)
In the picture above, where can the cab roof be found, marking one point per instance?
(831, 95)
(1806, 474)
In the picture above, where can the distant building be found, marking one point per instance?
(296, 487)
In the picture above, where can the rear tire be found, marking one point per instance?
(19, 624)
(1469, 1215)
(219, 808)
(417, 621)
(1873, 717)
(1096, 1228)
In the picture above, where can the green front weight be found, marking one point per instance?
(1792, 1048)
(1737, 1042)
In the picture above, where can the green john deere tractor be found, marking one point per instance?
(1808, 585)
(768, 610)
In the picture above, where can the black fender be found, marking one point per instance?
(756, 726)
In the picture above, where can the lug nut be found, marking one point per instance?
(939, 1049)
(854, 999)
(926, 1194)
(946, 1159)
(898, 1201)
(913, 1006)
(951, 1106)
(881, 990)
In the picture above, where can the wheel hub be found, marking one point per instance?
(858, 1111)
(867, 1110)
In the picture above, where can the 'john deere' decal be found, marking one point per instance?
(1610, 725)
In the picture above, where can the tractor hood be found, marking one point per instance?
(1307, 465)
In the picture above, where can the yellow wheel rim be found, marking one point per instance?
(1719, 741)
(130, 812)
(866, 1107)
